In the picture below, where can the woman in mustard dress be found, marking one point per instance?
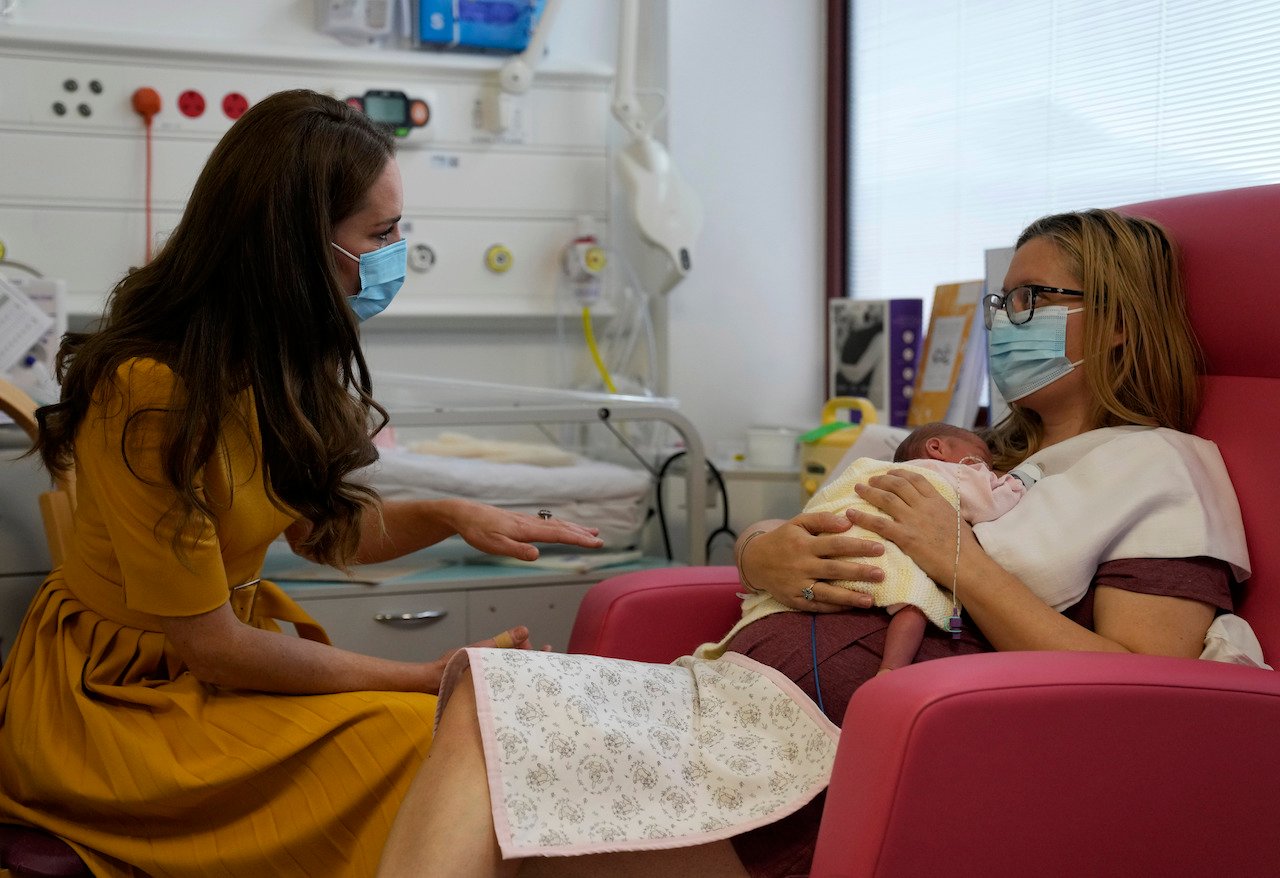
(152, 712)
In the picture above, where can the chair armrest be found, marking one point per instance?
(1051, 764)
(657, 615)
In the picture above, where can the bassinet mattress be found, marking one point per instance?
(591, 492)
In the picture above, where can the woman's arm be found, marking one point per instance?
(221, 650)
(408, 525)
(808, 551)
(1011, 616)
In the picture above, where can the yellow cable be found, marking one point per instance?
(595, 351)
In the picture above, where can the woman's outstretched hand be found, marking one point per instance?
(512, 638)
(917, 519)
(808, 552)
(502, 532)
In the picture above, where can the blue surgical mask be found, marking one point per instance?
(1026, 357)
(381, 276)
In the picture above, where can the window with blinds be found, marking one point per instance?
(970, 118)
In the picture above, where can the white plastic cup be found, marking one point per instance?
(772, 447)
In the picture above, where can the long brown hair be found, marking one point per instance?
(1132, 280)
(245, 295)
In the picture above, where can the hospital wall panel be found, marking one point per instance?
(72, 184)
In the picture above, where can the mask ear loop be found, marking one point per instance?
(345, 253)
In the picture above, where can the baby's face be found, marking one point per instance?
(965, 449)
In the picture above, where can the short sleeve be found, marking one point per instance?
(118, 452)
(1207, 580)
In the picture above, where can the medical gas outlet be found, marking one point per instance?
(421, 257)
(498, 259)
(584, 263)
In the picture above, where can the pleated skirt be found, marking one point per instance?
(107, 742)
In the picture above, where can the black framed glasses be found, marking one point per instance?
(1020, 302)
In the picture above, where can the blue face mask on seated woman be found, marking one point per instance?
(1025, 357)
(381, 276)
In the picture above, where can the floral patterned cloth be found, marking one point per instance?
(587, 754)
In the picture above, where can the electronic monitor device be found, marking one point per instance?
(393, 110)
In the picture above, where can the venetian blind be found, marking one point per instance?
(970, 118)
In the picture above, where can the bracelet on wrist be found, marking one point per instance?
(742, 550)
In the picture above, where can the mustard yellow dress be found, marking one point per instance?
(109, 742)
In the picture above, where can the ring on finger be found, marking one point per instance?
(807, 593)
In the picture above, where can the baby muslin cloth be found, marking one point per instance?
(589, 755)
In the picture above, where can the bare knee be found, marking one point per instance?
(458, 716)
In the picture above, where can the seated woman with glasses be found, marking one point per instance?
(1092, 347)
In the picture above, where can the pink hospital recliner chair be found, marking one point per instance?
(1062, 764)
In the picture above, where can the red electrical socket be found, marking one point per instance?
(234, 105)
(146, 103)
(191, 103)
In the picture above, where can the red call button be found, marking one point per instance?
(234, 105)
(191, 103)
(419, 113)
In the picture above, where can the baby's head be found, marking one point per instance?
(939, 441)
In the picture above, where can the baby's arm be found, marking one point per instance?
(985, 496)
(902, 638)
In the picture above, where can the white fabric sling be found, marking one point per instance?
(1118, 492)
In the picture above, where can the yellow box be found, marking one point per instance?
(823, 447)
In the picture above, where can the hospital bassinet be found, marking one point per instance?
(604, 493)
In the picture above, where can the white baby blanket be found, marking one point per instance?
(510, 482)
(589, 755)
(605, 495)
(497, 450)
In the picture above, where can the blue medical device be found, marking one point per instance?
(502, 26)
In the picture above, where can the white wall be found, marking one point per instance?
(746, 128)
(744, 331)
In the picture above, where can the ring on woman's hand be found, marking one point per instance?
(807, 593)
(544, 514)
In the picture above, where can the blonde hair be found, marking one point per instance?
(1128, 268)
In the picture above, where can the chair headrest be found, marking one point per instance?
(1229, 244)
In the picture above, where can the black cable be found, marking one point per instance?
(662, 518)
(657, 502)
(724, 520)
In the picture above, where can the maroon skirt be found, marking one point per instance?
(849, 646)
